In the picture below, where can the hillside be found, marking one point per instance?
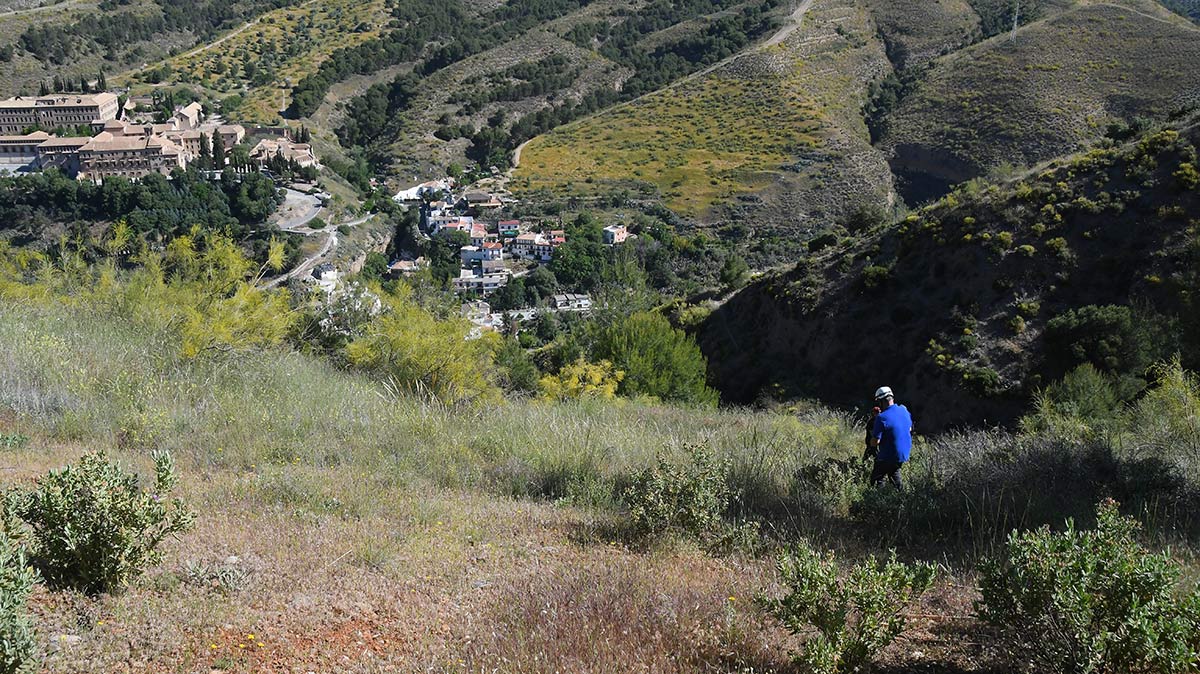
(81, 38)
(344, 525)
(771, 139)
(257, 64)
(953, 305)
(1047, 91)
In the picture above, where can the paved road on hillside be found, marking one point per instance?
(331, 242)
(303, 208)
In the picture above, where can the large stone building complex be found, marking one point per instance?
(120, 148)
(50, 112)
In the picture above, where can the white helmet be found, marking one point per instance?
(884, 392)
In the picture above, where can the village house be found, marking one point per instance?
(509, 229)
(534, 246)
(615, 234)
(407, 267)
(458, 223)
(479, 234)
(189, 116)
(480, 282)
(480, 202)
(571, 302)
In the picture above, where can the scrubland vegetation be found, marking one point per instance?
(526, 535)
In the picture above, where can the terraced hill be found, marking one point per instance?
(260, 61)
(1046, 91)
(75, 38)
(773, 137)
(960, 306)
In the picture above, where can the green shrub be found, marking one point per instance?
(92, 525)
(673, 497)
(1109, 337)
(875, 276)
(317, 223)
(17, 643)
(658, 360)
(1083, 405)
(1187, 177)
(856, 615)
(1092, 601)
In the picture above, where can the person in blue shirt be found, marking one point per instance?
(892, 435)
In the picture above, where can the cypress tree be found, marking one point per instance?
(205, 159)
(218, 152)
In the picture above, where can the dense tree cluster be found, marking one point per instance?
(154, 205)
(521, 81)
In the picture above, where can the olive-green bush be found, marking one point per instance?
(1092, 601)
(93, 527)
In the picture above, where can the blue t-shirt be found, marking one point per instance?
(893, 430)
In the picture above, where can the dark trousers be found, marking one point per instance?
(888, 469)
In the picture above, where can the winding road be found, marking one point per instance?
(331, 242)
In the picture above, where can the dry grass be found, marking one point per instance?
(375, 534)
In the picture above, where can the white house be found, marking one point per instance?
(615, 234)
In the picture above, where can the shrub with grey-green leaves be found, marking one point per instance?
(1093, 601)
(688, 497)
(93, 527)
(17, 643)
(856, 615)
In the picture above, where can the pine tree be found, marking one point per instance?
(43, 88)
(218, 152)
(59, 85)
(102, 82)
(84, 87)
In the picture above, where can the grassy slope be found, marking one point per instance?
(382, 534)
(1045, 94)
(783, 123)
(817, 329)
(356, 514)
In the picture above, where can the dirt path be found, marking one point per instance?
(37, 10)
(1181, 23)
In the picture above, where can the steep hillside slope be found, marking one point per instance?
(772, 139)
(1047, 91)
(952, 305)
(918, 31)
